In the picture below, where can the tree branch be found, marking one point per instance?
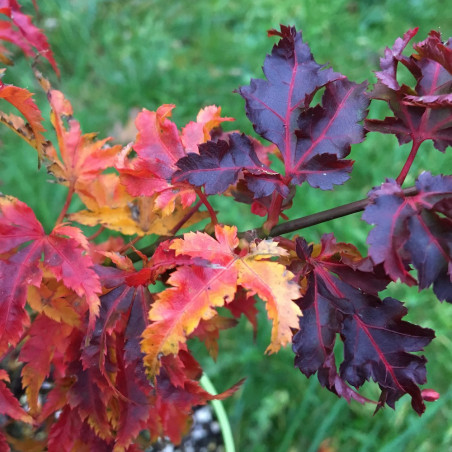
(326, 215)
(287, 226)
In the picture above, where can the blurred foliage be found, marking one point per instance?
(115, 56)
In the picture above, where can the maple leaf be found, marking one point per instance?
(269, 280)
(219, 164)
(26, 35)
(123, 310)
(414, 230)
(22, 99)
(422, 112)
(137, 216)
(195, 133)
(46, 338)
(63, 254)
(158, 147)
(114, 349)
(312, 141)
(208, 331)
(83, 159)
(9, 405)
(177, 392)
(376, 340)
(198, 289)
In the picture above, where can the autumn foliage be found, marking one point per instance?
(97, 358)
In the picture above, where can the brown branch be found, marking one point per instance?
(287, 226)
(326, 215)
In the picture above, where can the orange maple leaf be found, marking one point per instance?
(83, 158)
(199, 289)
(195, 133)
(23, 101)
(271, 281)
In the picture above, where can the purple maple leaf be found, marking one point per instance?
(414, 230)
(313, 141)
(377, 342)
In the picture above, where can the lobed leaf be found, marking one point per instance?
(63, 252)
(312, 141)
(219, 165)
(377, 342)
(422, 112)
(22, 99)
(414, 230)
(83, 159)
(212, 282)
(159, 146)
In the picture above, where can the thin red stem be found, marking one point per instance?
(274, 212)
(130, 244)
(188, 215)
(97, 233)
(401, 177)
(205, 201)
(65, 208)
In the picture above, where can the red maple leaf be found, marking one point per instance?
(62, 252)
(22, 99)
(21, 32)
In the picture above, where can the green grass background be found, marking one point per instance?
(116, 55)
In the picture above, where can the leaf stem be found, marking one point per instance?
(130, 245)
(274, 212)
(97, 233)
(188, 215)
(67, 203)
(401, 177)
(205, 201)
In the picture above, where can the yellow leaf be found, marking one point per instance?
(137, 217)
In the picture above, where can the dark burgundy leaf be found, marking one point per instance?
(422, 112)
(388, 73)
(123, 313)
(326, 133)
(293, 77)
(376, 345)
(376, 341)
(312, 141)
(414, 230)
(219, 164)
(434, 49)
